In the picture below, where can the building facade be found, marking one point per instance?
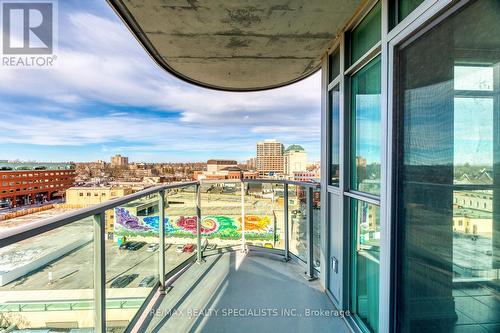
(214, 166)
(83, 197)
(294, 159)
(269, 158)
(410, 142)
(119, 160)
(223, 169)
(30, 183)
(306, 176)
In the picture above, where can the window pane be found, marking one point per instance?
(473, 78)
(448, 211)
(365, 228)
(334, 65)
(334, 135)
(365, 158)
(405, 7)
(366, 34)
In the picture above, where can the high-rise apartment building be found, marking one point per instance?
(119, 160)
(269, 157)
(294, 159)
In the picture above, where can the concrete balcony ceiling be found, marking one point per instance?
(237, 45)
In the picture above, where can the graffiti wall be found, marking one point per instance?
(256, 227)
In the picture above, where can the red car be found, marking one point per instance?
(188, 248)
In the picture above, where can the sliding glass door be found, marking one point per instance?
(448, 174)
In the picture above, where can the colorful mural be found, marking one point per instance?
(256, 227)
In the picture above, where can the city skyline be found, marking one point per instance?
(106, 96)
(110, 156)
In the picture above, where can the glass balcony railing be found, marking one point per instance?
(99, 268)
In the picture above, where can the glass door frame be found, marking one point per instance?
(421, 20)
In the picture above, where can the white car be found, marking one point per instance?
(179, 248)
(152, 247)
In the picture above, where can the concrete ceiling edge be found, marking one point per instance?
(128, 19)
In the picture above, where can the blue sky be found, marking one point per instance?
(106, 96)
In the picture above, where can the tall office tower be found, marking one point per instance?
(269, 158)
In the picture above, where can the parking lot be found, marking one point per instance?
(76, 269)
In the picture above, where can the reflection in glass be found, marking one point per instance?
(365, 155)
(405, 7)
(472, 77)
(365, 231)
(448, 215)
(334, 136)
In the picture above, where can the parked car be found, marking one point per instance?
(188, 248)
(179, 248)
(153, 247)
(268, 245)
(148, 282)
(123, 281)
(135, 246)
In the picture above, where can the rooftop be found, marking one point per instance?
(294, 148)
(222, 162)
(23, 166)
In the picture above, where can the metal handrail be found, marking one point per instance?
(17, 234)
(96, 215)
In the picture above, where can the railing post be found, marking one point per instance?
(198, 224)
(161, 239)
(243, 242)
(285, 219)
(99, 273)
(309, 221)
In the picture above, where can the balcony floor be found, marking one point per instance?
(251, 282)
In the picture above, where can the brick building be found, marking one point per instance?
(30, 183)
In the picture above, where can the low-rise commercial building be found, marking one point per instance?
(30, 183)
(82, 197)
(224, 169)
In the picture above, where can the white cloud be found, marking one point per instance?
(100, 62)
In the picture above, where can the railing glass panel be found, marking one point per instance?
(47, 281)
(221, 214)
(297, 219)
(316, 227)
(131, 258)
(180, 225)
(264, 215)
